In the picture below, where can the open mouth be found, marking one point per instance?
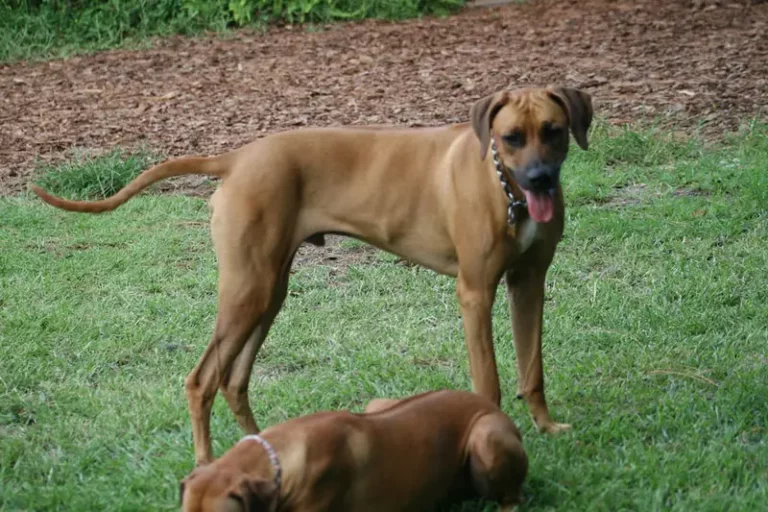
(541, 205)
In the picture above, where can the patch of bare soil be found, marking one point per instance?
(690, 62)
(334, 254)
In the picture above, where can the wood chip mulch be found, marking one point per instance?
(690, 62)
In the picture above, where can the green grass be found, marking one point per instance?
(656, 342)
(33, 29)
(86, 177)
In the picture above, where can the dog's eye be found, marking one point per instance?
(514, 139)
(550, 131)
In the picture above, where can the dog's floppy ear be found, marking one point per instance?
(578, 106)
(252, 495)
(183, 486)
(482, 114)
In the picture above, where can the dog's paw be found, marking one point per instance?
(554, 428)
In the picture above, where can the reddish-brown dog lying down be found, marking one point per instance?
(401, 455)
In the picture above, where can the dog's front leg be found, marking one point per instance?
(525, 291)
(476, 298)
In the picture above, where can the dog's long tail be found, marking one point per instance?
(212, 166)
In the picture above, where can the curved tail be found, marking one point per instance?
(212, 166)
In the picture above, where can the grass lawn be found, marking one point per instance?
(656, 340)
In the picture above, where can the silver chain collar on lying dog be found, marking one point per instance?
(513, 203)
(272, 454)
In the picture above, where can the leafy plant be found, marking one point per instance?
(33, 28)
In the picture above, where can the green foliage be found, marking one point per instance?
(93, 178)
(30, 28)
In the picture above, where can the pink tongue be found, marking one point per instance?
(540, 206)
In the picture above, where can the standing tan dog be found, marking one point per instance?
(431, 195)
(409, 455)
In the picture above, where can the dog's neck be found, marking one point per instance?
(526, 231)
(513, 204)
(274, 461)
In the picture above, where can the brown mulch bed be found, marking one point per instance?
(688, 61)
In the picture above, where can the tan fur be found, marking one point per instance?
(430, 195)
(415, 454)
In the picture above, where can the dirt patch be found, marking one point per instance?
(625, 196)
(335, 253)
(638, 192)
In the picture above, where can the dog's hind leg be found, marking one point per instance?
(235, 384)
(241, 308)
(251, 248)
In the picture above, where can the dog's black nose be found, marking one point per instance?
(541, 178)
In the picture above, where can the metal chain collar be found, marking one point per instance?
(512, 202)
(272, 457)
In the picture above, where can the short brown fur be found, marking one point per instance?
(430, 195)
(385, 460)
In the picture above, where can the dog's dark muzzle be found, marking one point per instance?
(538, 177)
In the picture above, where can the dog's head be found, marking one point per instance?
(530, 129)
(208, 489)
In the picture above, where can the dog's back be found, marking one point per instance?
(411, 455)
(420, 447)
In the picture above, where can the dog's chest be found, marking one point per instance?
(528, 232)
